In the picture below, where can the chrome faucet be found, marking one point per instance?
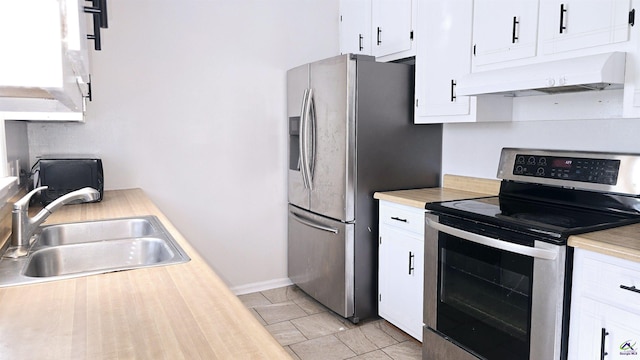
(23, 227)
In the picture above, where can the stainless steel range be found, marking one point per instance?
(497, 269)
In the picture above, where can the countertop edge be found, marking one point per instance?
(454, 188)
(603, 247)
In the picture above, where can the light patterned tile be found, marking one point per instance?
(356, 341)
(322, 348)
(407, 350)
(283, 294)
(310, 305)
(254, 299)
(320, 324)
(291, 353)
(376, 333)
(396, 333)
(366, 338)
(374, 355)
(276, 313)
(285, 333)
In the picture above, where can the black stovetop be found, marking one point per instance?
(544, 211)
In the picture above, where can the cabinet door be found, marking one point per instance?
(355, 27)
(567, 25)
(400, 279)
(621, 337)
(391, 26)
(76, 38)
(44, 66)
(443, 55)
(31, 43)
(598, 327)
(504, 30)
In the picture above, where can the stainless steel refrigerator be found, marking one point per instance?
(351, 133)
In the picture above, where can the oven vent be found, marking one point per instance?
(588, 73)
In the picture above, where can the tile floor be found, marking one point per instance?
(308, 330)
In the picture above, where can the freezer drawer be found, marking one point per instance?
(320, 259)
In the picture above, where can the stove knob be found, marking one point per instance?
(519, 169)
(540, 171)
(531, 160)
(520, 160)
(542, 162)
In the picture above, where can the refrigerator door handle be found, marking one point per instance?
(311, 119)
(302, 141)
(313, 224)
(308, 139)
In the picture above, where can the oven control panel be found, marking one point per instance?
(598, 171)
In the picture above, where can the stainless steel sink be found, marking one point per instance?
(83, 232)
(79, 249)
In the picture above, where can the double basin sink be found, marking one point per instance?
(71, 250)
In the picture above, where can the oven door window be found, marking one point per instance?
(484, 299)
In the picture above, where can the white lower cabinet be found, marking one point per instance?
(605, 308)
(401, 267)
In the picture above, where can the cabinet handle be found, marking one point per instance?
(97, 43)
(632, 17)
(514, 37)
(360, 38)
(453, 95)
(411, 257)
(563, 10)
(89, 94)
(630, 288)
(99, 12)
(398, 219)
(602, 338)
(379, 35)
(104, 22)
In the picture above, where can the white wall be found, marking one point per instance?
(474, 149)
(190, 106)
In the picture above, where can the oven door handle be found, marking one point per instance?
(494, 243)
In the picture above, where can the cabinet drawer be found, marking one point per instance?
(403, 217)
(604, 275)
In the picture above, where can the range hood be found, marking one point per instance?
(594, 72)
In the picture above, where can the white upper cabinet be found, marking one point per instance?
(391, 26)
(355, 27)
(44, 68)
(510, 33)
(443, 56)
(567, 25)
(382, 28)
(504, 30)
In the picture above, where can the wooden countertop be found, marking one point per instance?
(453, 188)
(622, 242)
(182, 311)
(420, 197)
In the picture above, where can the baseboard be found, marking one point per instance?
(261, 286)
